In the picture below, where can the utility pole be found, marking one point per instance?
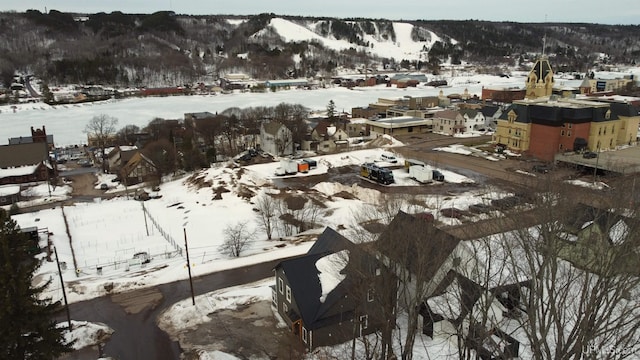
(186, 248)
(64, 293)
(595, 170)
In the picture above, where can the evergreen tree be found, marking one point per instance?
(331, 110)
(28, 330)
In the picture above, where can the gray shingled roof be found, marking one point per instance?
(302, 275)
(416, 243)
(23, 154)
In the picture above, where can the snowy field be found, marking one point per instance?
(105, 235)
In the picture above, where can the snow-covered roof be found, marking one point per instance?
(8, 190)
(330, 271)
(18, 171)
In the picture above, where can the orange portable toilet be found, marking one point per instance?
(303, 166)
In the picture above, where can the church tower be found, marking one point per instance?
(540, 80)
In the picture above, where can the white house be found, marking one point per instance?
(276, 139)
(473, 119)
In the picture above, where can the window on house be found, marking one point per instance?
(304, 335)
(570, 125)
(611, 143)
(364, 321)
(281, 285)
(288, 293)
(560, 147)
(285, 308)
(370, 295)
(378, 272)
(569, 133)
(562, 133)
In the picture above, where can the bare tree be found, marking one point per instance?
(101, 128)
(584, 275)
(267, 207)
(236, 238)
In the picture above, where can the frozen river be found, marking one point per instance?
(67, 123)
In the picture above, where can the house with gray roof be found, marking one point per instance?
(322, 298)
(24, 163)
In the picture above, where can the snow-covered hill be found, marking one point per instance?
(398, 44)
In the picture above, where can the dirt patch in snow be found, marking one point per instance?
(248, 332)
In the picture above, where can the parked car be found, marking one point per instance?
(541, 168)
(104, 187)
(438, 176)
(388, 157)
(590, 155)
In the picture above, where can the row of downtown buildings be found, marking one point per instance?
(538, 120)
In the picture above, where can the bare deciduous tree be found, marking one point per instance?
(101, 128)
(236, 238)
(267, 207)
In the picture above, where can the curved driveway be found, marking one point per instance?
(136, 335)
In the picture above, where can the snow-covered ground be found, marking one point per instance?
(106, 234)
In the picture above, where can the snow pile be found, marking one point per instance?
(85, 334)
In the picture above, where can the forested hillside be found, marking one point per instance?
(165, 49)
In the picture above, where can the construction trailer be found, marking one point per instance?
(287, 167)
(420, 173)
(411, 162)
(375, 173)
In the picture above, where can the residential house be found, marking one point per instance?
(473, 119)
(9, 194)
(118, 156)
(448, 122)
(321, 299)
(454, 283)
(358, 127)
(276, 138)
(466, 311)
(139, 169)
(491, 114)
(27, 162)
(326, 137)
(419, 253)
(600, 241)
